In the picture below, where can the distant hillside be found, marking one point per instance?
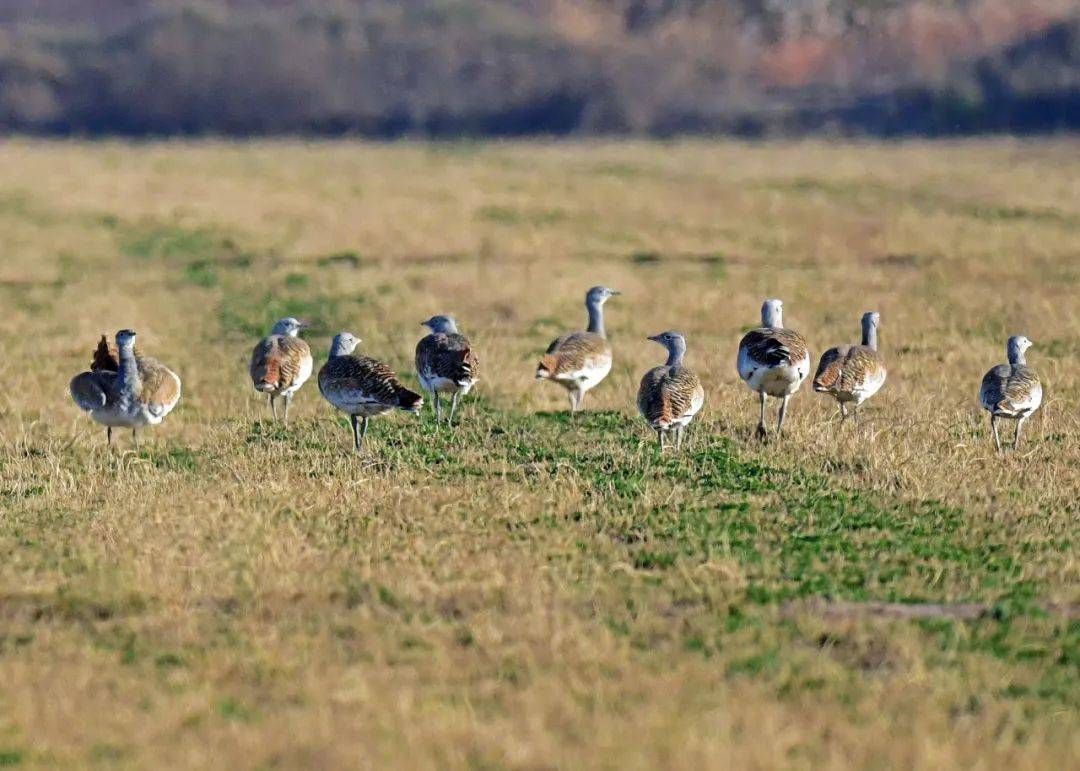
(512, 67)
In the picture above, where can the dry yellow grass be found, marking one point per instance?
(528, 592)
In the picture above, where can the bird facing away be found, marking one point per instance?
(445, 363)
(773, 361)
(1011, 390)
(123, 389)
(281, 363)
(851, 374)
(578, 361)
(671, 394)
(362, 387)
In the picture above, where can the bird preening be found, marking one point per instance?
(125, 389)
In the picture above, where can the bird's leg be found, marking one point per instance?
(572, 395)
(438, 407)
(453, 407)
(783, 411)
(993, 429)
(355, 433)
(761, 432)
(855, 414)
(273, 406)
(288, 398)
(1019, 425)
(843, 412)
(660, 438)
(363, 429)
(678, 438)
(135, 438)
(108, 435)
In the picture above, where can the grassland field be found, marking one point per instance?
(529, 591)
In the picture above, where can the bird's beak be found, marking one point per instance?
(615, 292)
(654, 338)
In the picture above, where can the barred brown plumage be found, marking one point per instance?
(851, 374)
(670, 395)
(123, 389)
(445, 363)
(578, 361)
(1012, 390)
(362, 387)
(773, 361)
(281, 363)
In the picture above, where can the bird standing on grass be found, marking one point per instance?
(362, 387)
(671, 394)
(1011, 390)
(851, 374)
(445, 363)
(773, 361)
(125, 390)
(281, 363)
(578, 361)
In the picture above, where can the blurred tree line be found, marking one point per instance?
(388, 68)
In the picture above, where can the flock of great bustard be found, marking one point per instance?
(124, 389)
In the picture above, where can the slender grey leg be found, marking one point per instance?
(993, 429)
(273, 406)
(783, 411)
(678, 438)
(438, 407)
(288, 398)
(1019, 425)
(135, 438)
(761, 432)
(108, 435)
(660, 438)
(355, 433)
(453, 407)
(855, 414)
(843, 412)
(363, 430)
(573, 401)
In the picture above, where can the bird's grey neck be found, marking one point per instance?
(596, 318)
(1017, 357)
(448, 327)
(128, 374)
(773, 318)
(675, 352)
(869, 335)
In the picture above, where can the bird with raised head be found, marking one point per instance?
(579, 361)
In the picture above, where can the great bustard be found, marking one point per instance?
(445, 363)
(578, 361)
(773, 361)
(1011, 390)
(671, 394)
(362, 387)
(851, 374)
(123, 389)
(281, 363)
